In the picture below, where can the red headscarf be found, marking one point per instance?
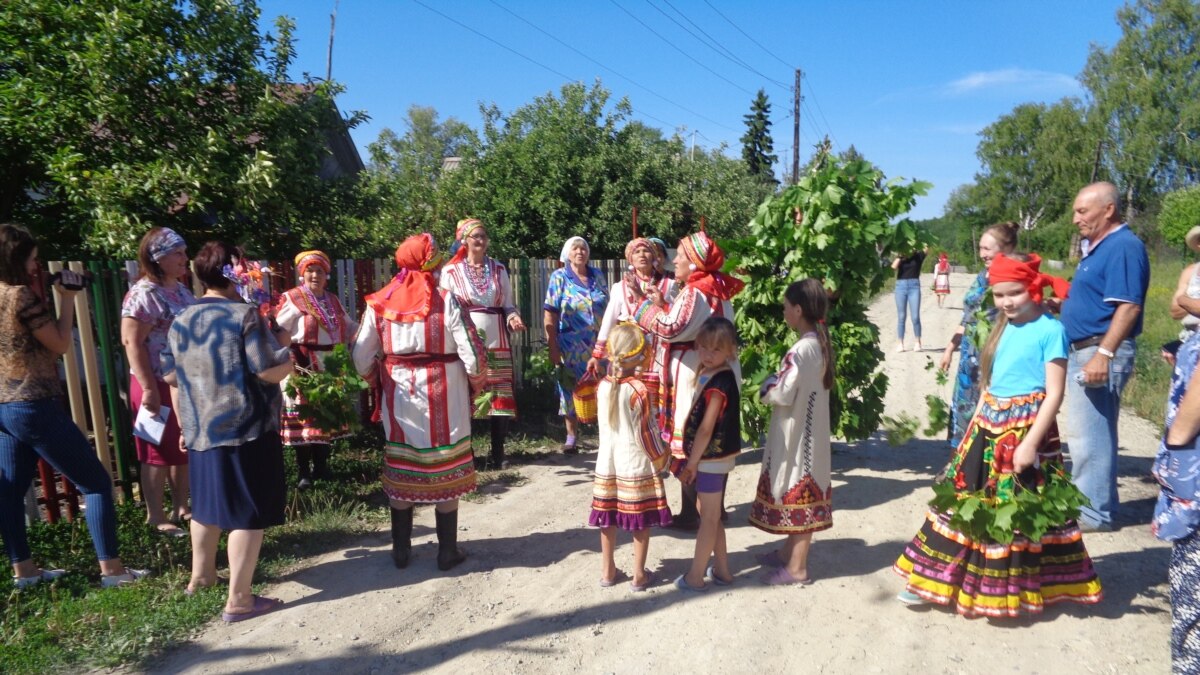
(409, 294)
(463, 230)
(305, 258)
(1004, 268)
(706, 259)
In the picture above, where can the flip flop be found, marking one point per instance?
(261, 606)
(605, 583)
(649, 580)
(771, 559)
(781, 577)
(717, 580)
(170, 530)
(682, 584)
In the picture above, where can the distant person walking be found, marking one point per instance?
(1102, 318)
(908, 296)
(941, 279)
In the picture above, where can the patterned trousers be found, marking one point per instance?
(1184, 573)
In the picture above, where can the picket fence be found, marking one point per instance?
(96, 379)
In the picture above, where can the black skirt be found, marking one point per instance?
(239, 487)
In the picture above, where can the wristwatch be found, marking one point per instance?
(1105, 352)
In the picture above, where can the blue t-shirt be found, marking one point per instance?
(1019, 367)
(1114, 271)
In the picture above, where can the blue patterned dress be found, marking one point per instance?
(1177, 518)
(966, 382)
(579, 305)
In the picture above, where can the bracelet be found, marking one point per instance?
(1104, 352)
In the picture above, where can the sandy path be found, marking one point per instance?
(528, 599)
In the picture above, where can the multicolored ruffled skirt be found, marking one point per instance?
(988, 578)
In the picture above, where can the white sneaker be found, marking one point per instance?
(114, 580)
(44, 575)
(899, 347)
(917, 347)
(911, 599)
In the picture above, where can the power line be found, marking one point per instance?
(822, 112)
(612, 70)
(748, 37)
(710, 42)
(678, 49)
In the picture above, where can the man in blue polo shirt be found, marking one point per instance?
(1102, 317)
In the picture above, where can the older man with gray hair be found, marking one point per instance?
(1102, 317)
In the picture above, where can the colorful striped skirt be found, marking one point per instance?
(988, 578)
(295, 430)
(627, 492)
(500, 384)
(428, 475)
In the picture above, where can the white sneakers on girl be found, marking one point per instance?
(44, 575)
(114, 580)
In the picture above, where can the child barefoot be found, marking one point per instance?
(794, 489)
(711, 441)
(628, 491)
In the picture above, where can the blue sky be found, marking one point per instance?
(909, 84)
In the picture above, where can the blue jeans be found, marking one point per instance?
(29, 429)
(908, 300)
(1092, 414)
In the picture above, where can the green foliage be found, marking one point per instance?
(757, 145)
(1180, 213)
(901, 429)
(1031, 512)
(571, 162)
(329, 396)
(833, 225)
(938, 408)
(115, 116)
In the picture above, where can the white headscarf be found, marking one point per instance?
(566, 249)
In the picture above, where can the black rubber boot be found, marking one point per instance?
(401, 536)
(688, 517)
(449, 555)
(499, 434)
(304, 466)
(321, 462)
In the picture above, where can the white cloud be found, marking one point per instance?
(1009, 78)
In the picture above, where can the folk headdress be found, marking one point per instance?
(306, 258)
(1028, 273)
(461, 231)
(706, 259)
(409, 295)
(637, 244)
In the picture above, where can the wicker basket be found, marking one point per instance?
(585, 399)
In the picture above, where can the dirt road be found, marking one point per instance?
(528, 599)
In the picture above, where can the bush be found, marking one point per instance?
(1180, 213)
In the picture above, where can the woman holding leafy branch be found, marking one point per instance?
(482, 288)
(1000, 538)
(317, 323)
(419, 344)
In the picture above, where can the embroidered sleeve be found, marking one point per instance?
(470, 347)
(506, 295)
(781, 390)
(678, 323)
(289, 317)
(609, 320)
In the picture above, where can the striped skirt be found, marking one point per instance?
(428, 475)
(988, 578)
(500, 384)
(295, 430)
(627, 492)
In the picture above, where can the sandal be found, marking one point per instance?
(617, 578)
(169, 529)
(261, 606)
(42, 575)
(682, 584)
(633, 586)
(117, 580)
(716, 579)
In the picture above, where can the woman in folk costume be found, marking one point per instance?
(702, 291)
(316, 321)
(627, 296)
(432, 361)
(482, 288)
(1010, 445)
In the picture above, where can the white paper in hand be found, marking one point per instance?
(150, 427)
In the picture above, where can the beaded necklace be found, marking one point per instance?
(479, 276)
(323, 312)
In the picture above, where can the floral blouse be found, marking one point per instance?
(151, 303)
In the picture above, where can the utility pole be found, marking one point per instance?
(329, 54)
(796, 131)
(692, 154)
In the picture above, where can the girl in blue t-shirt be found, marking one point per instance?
(1010, 443)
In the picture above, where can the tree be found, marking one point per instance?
(1034, 160)
(1180, 213)
(115, 116)
(1147, 97)
(833, 225)
(757, 146)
